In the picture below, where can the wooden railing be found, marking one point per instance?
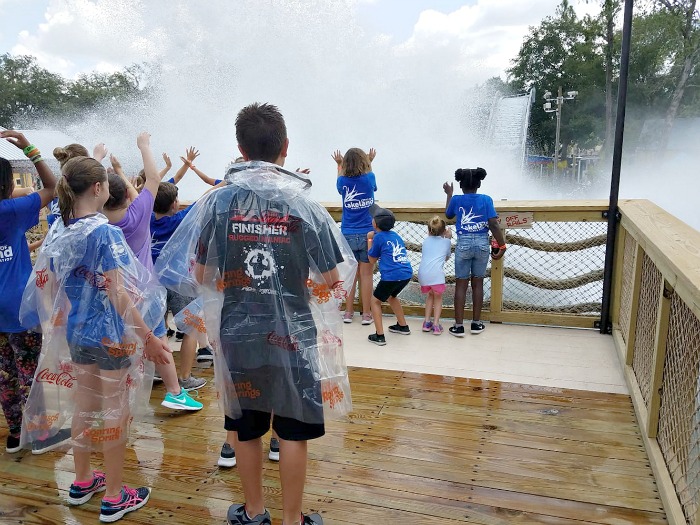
(655, 310)
(656, 320)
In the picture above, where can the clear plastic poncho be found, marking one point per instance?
(92, 374)
(271, 268)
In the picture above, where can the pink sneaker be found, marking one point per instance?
(437, 329)
(427, 326)
(347, 317)
(366, 319)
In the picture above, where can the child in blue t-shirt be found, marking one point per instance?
(357, 184)
(165, 219)
(19, 347)
(476, 215)
(395, 270)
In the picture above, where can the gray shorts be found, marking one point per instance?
(176, 302)
(106, 358)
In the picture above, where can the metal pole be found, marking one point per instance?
(560, 101)
(612, 213)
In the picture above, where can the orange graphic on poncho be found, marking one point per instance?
(332, 394)
(323, 292)
(194, 321)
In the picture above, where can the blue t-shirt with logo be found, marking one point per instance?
(92, 316)
(16, 217)
(162, 229)
(54, 212)
(390, 249)
(473, 211)
(358, 197)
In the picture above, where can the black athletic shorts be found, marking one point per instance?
(254, 424)
(386, 289)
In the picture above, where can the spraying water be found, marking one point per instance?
(337, 86)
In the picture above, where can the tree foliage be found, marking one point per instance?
(579, 53)
(29, 92)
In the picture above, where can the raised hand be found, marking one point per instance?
(115, 162)
(168, 164)
(143, 140)
(337, 157)
(191, 154)
(305, 171)
(99, 152)
(15, 137)
(448, 188)
(372, 153)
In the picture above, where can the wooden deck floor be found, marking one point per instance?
(417, 449)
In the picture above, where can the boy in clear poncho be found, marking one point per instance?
(272, 268)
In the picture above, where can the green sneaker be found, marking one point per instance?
(181, 402)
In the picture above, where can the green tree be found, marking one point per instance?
(564, 51)
(28, 91)
(686, 29)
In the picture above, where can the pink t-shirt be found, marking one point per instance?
(136, 226)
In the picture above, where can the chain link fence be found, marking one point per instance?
(554, 267)
(627, 286)
(679, 415)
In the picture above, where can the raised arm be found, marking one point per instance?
(143, 141)
(448, 188)
(168, 164)
(32, 152)
(131, 192)
(203, 176)
(338, 158)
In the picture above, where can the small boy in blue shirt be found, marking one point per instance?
(395, 270)
(165, 219)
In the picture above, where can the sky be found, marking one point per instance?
(74, 36)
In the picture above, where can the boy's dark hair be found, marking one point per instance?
(261, 132)
(167, 194)
(384, 219)
(7, 183)
(470, 178)
(117, 192)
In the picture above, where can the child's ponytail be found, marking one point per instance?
(79, 174)
(66, 198)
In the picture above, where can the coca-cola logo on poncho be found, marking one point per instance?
(64, 379)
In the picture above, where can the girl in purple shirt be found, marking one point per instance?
(131, 212)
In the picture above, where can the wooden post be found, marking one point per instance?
(659, 357)
(634, 304)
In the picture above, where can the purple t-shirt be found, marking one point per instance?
(136, 226)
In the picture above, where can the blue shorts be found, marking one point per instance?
(471, 255)
(358, 245)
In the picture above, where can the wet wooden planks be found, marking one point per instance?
(417, 449)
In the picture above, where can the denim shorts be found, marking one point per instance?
(471, 255)
(358, 245)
